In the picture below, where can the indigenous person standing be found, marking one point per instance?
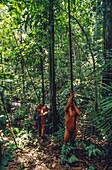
(37, 117)
(41, 113)
(44, 113)
(71, 113)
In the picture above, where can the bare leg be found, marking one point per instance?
(73, 136)
(66, 136)
(43, 131)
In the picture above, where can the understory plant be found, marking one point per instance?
(6, 156)
(92, 150)
(103, 118)
(67, 155)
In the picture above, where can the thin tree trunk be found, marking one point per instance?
(52, 70)
(42, 73)
(107, 36)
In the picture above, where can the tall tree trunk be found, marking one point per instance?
(107, 27)
(42, 73)
(52, 70)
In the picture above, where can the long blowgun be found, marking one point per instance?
(70, 46)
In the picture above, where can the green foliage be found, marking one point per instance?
(59, 135)
(16, 130)
(91, 168)
(6, 157)
(23, 137)
(66, 155)
(21, 112)
(72, 159)
(92, 150)
(103, 118)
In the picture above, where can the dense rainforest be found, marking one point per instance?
(49, 48)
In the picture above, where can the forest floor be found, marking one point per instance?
(47, 155)
(39, 155)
